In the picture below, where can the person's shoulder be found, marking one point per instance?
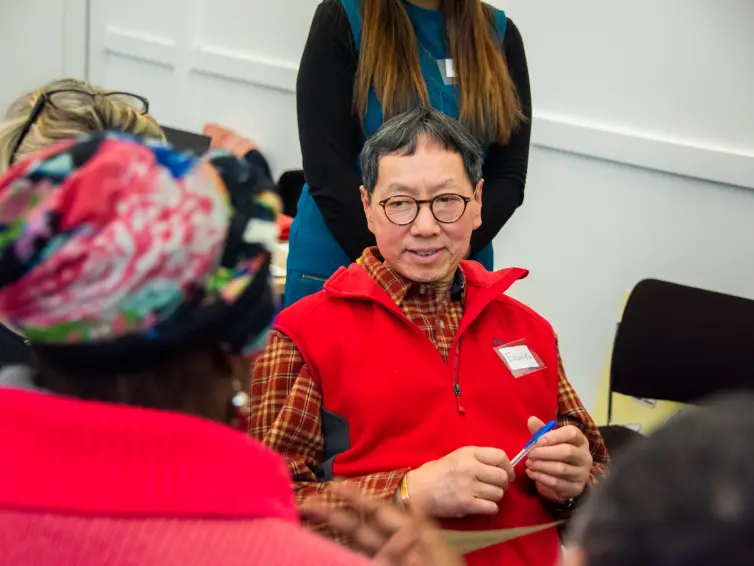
(336, 22)
(317, 307)
(295, 315)
(505, 25)
(332, 11)
(499, 18)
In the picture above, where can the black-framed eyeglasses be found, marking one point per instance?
(73, 99)
(446, 208)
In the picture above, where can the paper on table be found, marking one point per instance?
(464, 542)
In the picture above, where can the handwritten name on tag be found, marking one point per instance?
(518, 357)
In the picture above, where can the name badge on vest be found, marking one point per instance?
(447, 71)
(519, 358)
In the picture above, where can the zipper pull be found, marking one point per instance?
(457, 391)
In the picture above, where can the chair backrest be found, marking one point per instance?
(290, 185)
(674, 345)
(679, 343)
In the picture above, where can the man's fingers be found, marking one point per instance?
(489, 492)
(566, 435)
(495, 457)
(351, 495)
(559, 470)
(534, 425)
(567, 453)
(400, 544)
(368, 538)
(493, 476)
(562, 488)
(365, 530)
(315, 511)
(385, 517)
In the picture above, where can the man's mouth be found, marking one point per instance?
(425, 254)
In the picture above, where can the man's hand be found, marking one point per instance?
(382, 532)
(469, 481)
(561, 462)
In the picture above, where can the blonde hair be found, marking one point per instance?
(56, 123)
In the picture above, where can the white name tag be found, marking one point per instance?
(450, 69)
(518, 358)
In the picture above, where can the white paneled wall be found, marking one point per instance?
(41, 40)
(230, 61)
(643, 158)
(665, 85)
(624, 94)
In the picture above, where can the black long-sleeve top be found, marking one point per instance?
(330, 135)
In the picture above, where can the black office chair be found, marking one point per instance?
(679, 344)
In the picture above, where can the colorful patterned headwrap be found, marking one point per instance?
(115, 249)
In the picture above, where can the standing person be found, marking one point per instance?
(413, 376)
(141, 275)
(369, 60)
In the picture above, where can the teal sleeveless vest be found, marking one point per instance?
(314, 253)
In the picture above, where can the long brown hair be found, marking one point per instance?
(389, 62)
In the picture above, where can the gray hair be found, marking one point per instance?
(400, 136)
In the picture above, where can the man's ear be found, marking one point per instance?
(366, 202)
(478, 203)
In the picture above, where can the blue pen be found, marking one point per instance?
(529, 445)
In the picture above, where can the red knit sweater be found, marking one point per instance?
(87, 484)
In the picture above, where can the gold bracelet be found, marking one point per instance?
(405, 499)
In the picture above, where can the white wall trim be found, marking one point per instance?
(702, 159)
(691, 158)
(247, 67)
(142, 46)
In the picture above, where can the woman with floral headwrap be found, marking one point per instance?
(140, 277)
(65, 108)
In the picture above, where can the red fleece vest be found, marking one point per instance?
(385, 377)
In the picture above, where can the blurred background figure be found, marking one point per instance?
(244, 147)
(684, 496)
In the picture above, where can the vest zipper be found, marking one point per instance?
(457, 386)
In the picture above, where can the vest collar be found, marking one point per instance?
(482, 287)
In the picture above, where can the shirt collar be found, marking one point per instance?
(399, 287)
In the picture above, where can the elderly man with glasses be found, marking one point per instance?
(413, 376)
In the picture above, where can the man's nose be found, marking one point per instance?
(425, 224)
